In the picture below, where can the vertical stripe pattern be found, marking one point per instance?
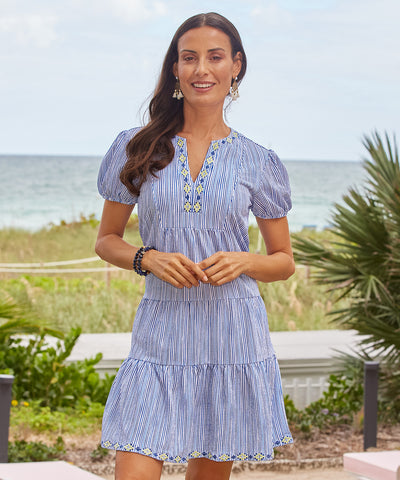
(201, 378)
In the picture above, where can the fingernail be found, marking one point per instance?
(205, 279)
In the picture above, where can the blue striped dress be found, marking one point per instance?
(201, 378)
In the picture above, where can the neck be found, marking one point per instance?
(204, 123)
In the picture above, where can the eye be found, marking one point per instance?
(188, 58)
(216, 58)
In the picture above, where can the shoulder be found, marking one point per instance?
(124, 137)
(257, 154)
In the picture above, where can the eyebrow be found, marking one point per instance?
(210, 50)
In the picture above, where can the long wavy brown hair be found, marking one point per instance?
(151, 148)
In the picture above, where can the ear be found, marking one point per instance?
(237, 64)
(175, 69)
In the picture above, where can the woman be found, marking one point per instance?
(201, 384)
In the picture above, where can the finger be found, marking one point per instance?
(220, 278)
(197, 271)
(179, 279)
(214, 268)
(207, 262)
(188, 274)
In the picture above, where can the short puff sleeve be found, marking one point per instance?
(109, 185)
(271, 198)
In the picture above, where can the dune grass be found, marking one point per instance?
(100, 303)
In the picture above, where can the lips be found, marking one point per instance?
(203, 85)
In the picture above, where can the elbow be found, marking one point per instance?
(98, 248)
(290, 269)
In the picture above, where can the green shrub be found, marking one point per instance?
(23, 451)
(340, 404)
(80, 419)
(41, 372)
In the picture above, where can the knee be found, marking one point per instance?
(133, 466)
(136, 475)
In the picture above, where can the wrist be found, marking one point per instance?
(246, 263)
(137, 261)
(147, 259)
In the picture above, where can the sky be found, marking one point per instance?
(321, 74)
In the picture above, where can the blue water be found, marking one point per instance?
(37, 190)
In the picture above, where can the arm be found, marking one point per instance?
(174, 268)
(223, 267)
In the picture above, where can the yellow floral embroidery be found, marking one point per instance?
(224, 457)
(229, 140)
(187, 188)
(234, 134)
(128, 447)
(107, 444)
(242, 456)
(210, 160)
(163, 456)
(180, 142)
(177, 458)
(197, 207)
(147, 451)
(195, 454)
(215, 146)
(199, 189)
(182, 157)
(187, 206)
(184, 172)
(117, 445)
(286, 439)
(203, 173)
(259, 456)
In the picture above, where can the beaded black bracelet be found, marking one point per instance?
(137, 261)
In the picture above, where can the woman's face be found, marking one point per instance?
(205, 66)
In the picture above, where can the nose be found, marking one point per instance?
(201, 67)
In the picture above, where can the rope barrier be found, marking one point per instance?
(50, 264)
(60, 270)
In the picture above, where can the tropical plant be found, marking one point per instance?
(16, 320)
(362, 263)
(42, 372)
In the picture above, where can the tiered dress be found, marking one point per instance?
(201, 378)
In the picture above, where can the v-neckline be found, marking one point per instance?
(193, 189)
(212, 147)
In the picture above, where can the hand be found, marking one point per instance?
(223, 267)
(174, 268)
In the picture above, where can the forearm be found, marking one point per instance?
(268, 268)
(114, 249)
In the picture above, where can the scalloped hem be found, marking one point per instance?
(166, 457)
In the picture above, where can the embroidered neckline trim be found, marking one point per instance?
(193, 190)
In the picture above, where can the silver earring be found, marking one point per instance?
(234, 90)
(177, 92)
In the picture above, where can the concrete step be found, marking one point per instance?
(374, 465)
(44, 471)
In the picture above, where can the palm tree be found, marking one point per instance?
(14, 320)
(362, 263)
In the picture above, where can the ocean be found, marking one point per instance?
(39, 190)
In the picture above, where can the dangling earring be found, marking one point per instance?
(234, 90)
(177, 92)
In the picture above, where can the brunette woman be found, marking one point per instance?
(201, 384)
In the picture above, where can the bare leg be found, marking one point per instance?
(135, 466)
(205, 469)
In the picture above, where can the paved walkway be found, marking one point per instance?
(317, 474)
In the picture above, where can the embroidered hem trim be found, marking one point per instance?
(257, 457)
